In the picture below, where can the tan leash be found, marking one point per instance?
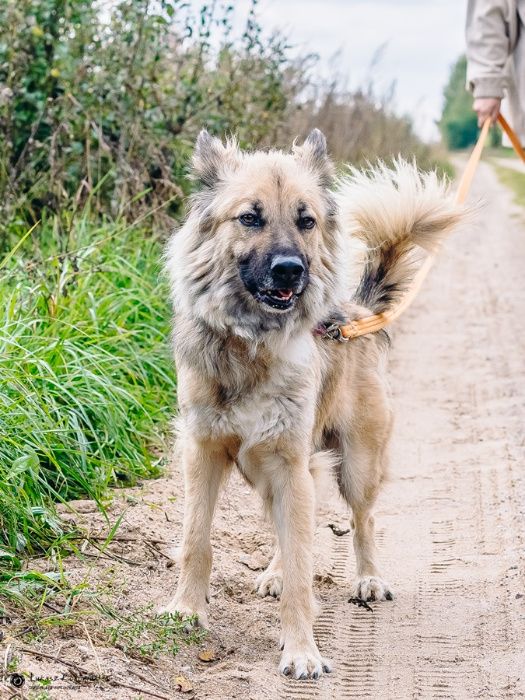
(374, 323)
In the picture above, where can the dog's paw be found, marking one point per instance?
(194, 615)
(303, 663)
(269, 583)
(373, 588)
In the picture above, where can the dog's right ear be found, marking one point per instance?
(212, 159)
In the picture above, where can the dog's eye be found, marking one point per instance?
(305, 222)
(250, 219)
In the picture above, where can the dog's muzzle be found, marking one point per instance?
(275, 280)
(285, 281)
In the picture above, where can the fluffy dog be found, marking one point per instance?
(258, 271)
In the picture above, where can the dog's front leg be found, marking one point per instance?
(204, 465)
(293, 505)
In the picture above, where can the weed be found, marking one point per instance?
(514, 180)
(146, 635)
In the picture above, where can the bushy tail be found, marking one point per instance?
(393, 211)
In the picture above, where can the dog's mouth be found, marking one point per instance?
(282, 299)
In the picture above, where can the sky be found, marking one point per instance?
(421, 39)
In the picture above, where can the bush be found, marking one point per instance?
(109, 102)
(112, 104)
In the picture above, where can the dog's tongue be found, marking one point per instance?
(284, 294)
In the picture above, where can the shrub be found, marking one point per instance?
(107, 100)
(112, 103)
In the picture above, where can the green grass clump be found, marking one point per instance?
(143, 634)
(499, 152)
(86, 380)
(514, 180)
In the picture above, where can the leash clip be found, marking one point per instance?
(333, 332)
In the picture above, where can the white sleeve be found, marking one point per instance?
(488, 47)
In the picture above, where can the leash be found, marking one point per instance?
(374, 323)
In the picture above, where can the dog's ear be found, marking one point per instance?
(316, 143)
(212, 159)
(313, 153)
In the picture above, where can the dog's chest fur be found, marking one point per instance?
(252, 395)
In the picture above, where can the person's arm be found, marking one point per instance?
(488, 49)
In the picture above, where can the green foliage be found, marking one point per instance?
(110, 101)
(85, 374)
(120, 95)
(20, 586)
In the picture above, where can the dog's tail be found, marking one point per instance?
(393, 211)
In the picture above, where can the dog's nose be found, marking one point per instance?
(286, 270)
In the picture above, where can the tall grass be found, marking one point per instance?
(86, 382)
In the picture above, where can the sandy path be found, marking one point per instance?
(451, 523)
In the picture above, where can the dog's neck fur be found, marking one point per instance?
(235, 362)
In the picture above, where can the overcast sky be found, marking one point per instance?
(422, 40)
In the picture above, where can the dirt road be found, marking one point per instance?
(451, 523)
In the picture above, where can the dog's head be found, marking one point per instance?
(261, 235)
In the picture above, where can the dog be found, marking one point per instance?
(258, 274)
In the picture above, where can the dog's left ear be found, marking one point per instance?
(313, 153)
(212, 159)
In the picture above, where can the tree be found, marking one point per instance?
(459, 123)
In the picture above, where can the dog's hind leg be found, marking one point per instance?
(270, 582)
(369, 585)
(362, 470)
(204, 466)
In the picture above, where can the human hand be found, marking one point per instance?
(487, 108)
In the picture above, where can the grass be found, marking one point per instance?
(514, 180)
(145, 635)
(140, 634)
(86, 380)
(499, 152)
